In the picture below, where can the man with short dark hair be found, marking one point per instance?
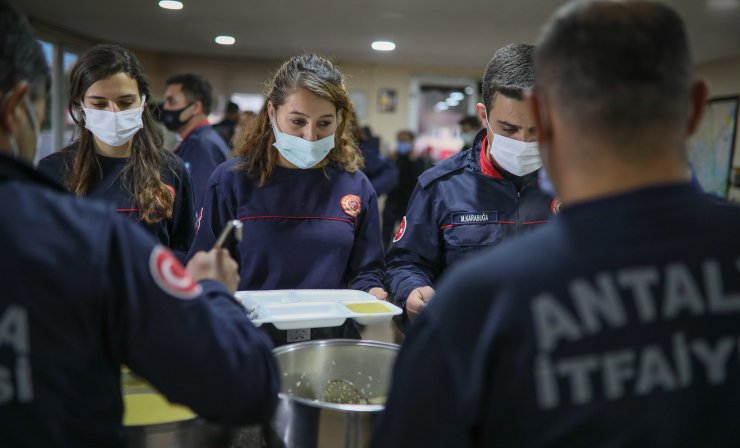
(618, 324)
(187, 103)
(477, 198)
(85, 291)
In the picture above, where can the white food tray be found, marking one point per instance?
(289, 309)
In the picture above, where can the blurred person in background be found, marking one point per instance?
(310, 215)
(119, 155)
(86, 291)
(379, 170)
(477, 198)
(227, 127)
(469, 128)
(409, 167)
(246, 120)
(616, 325)
(187, 103)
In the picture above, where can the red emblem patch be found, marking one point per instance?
(170, 274)
(351, 205)
(555, 206)
(401, 230)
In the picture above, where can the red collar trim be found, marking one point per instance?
(486, 166)
(199, 125)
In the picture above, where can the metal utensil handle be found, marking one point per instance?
(233, 224)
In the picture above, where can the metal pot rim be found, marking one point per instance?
(334, 342)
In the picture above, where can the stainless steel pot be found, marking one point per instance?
(303, 419)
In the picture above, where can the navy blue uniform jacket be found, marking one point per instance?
(175, 232)
(202, 150)
(84, 291)
(303, 229)
(381, 172)
(459, 208)
(617, 325)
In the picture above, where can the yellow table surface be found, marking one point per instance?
(152, 409)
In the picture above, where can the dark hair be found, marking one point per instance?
(195, 88)
(319, 77)
(510, 72)
(147, 154)
(471, 120)
(616, 67)
(232, 108)
(405, 132)
(21, 57)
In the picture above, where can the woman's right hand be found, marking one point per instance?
(215, 264)
(417, 301)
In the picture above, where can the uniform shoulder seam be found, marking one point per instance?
(455, 163)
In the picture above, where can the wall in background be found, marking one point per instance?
(246, 75)
(723, 78)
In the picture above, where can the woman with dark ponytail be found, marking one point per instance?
(118, 155)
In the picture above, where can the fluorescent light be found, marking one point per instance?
(452, 102)
(439, 107)
(457, 96)
(225, 40)
(382, 45)
(170, 4)
(469, 90)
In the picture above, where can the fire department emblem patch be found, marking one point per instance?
(351, 205)
(170, 274)
(401, 230)
(555, 206)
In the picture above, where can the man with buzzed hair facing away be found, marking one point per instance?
(477, 198)
(618, 324)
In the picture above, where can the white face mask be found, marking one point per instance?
(302, 153)
(517, 157)
(114, 128)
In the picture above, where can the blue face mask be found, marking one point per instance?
(403, 148)
(302, 153)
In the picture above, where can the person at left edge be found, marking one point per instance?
(310, 215)
(119, 155)
(187, 103)
(85, 290)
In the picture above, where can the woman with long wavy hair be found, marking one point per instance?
(310, 215)
(119, 155)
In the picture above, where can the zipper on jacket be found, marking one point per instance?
(518, 224)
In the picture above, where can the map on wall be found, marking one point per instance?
(711, 149)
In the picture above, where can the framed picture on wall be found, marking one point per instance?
(387, 99)
(712, 148)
